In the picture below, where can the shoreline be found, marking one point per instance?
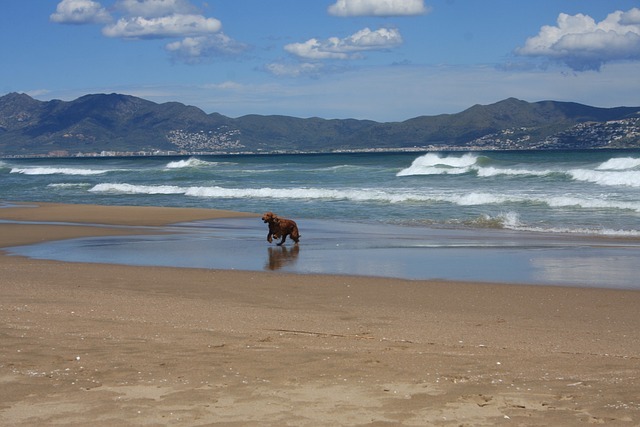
(110, 344)
(182, 238)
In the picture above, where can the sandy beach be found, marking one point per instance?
(107, 345)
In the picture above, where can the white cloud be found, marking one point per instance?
(197, 37)
(314, 49)
(631, 17)
(175, 25)
(294, 70)
(348, 47)
(80, 12)
(378, 8)
(584, 44)
(155, 8)
(195, 49)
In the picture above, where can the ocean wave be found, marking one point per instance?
(300, 193)
(297, 193)
(354, 195)
(191, 162)
(57, 171)
(623, 171)
(494, 171)
(69, 185)
(619, 163)
(511, 221)
(606, 232)
(346, 168)
(507, 220)
(476, 199)
(627, 178)
(136, 189)
(435, 164)
(337, 169)
(612, 174)
(479, 199)
(590, 203)
(370, 195)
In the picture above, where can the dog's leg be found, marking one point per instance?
(269, 239)
(284, 237)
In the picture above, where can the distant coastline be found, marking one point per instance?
(110, 125)
(434, 149)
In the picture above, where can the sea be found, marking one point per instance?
(576, 209)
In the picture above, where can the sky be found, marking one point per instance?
(383, 60)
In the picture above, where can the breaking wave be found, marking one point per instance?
(623, 171)
(435, 164)
(508, 220)
(136, 189)
(191, 162)
(628, 178)
(57, 171)
(368, 195)
(69, 185)
(619, 163)
(511, 221)
(618, 171)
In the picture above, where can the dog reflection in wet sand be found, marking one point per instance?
(280, 228)
(281, 257)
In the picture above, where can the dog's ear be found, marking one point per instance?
(276, 219)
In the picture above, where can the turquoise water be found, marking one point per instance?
(555, 218)
(592, 192)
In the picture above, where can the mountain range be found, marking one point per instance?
(116, 124)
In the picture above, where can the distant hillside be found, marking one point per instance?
(123, 124)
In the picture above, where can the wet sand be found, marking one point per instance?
(104, 344)
(366, 249)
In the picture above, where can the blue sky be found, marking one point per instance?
(385, 60)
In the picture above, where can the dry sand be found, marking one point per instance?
(102, 345)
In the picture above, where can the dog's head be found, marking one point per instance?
(269, 217)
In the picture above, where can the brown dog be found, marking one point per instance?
(280, 227)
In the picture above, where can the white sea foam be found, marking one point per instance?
(475, 199)
(57, 171)
(508, 220)
(435, 164)
(579, 230)
(494, 171)
(620, 163)
(590, 203)
(136, 189)
(369, 195)
(511, 221)
(69, 185)
(628, 178)
(191, 162)
(294, 193)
